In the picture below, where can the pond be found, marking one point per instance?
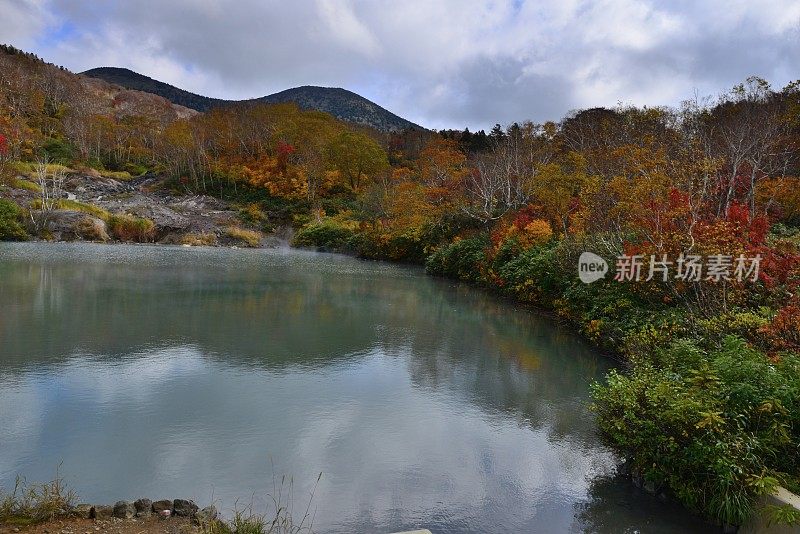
(208, 373)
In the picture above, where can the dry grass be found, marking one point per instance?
(202, 239)
(30, 168)
(34, 503)
(131, 228)
(121, 176)
(74, 205)
(280, 519)
(250, 238)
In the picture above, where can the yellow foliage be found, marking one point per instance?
(251, 238)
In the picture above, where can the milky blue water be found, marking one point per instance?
(208, 373)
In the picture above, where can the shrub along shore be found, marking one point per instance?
(708, 409)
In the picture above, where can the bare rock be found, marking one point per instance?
(165, 219)
(184, 508)
(143, 507)
(124, 510)
(160, 506)
(102, 511)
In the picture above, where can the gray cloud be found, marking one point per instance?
(442, 64)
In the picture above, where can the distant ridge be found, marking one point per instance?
(341, 103)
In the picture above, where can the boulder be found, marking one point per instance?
(184, 508)
(166, 220)
(102, 511)
(143, 507)
(160, 506)
(124, 510)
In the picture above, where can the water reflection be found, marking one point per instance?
(181, 372)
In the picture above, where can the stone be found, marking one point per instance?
(160, 506)
(102, 511)
(206, 515)
(84, 511)
(124, 510)
(184, 508)
(650, 487)
(143, 507)
(165, 219)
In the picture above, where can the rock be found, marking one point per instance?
(206, 515)
(83, 511)
(184, 508)
(165, 219)
(160, 506)
(67, 225)
(124, 510)
(650, 487)
(143, 507)
(102, 511)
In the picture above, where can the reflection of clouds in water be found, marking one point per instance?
(385, 444)
(178, 373)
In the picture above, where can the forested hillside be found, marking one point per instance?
(341, 103)
(709, 411)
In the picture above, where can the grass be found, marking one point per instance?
(202, 239)
(131, 228)
(251, 238)
(279, 519)
(74, 205)
(22, 183)
(34, 503)
(24, 167)
(122, 176)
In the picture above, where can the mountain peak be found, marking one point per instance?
(339, 102)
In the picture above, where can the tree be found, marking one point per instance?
(357, 157)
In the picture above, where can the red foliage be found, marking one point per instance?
(3, 145)
(783, 333)
(525, 216)
(285, 149)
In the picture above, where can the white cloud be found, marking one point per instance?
(442, 64)
(23, 21)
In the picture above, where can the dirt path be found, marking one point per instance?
(151, 525)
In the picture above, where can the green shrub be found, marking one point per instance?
(11, 228)
(327, 235)
(717, 429)
(463, 259)
(534, 275)
(58, 151)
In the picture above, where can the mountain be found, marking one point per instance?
(23, 73)
(341, 103)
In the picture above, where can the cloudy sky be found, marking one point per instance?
(443, 63)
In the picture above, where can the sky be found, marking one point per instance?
(439, 63)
